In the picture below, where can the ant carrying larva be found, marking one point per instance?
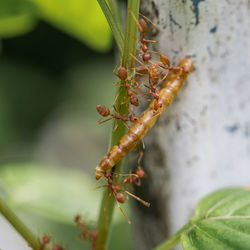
(119, 191)
(148, 118)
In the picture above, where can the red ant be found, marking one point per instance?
(143, 29)
(123, 76)
(45, 241)
(104, 111)
(135, 178)
(118, 190)
(153, 79)
(86, 234)
(139, 174)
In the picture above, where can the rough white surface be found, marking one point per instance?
(205, 134)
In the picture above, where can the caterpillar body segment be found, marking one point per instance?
(140, 128)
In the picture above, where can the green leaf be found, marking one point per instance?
(54, 193)
(16, 17)
(114, 23)
(221, 221)
(82, 19)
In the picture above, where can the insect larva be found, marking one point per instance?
(148, 118)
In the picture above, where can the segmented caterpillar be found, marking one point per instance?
(146, 121)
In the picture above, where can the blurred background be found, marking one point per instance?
(56, 64)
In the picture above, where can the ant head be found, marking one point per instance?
(122, 73)
(45, 239)
(144, 48)
(116, 188)
(146, 57)
(120, 197)
(107, 174)
(140, 173)
(133, 118)
(134, 100)
(143, 27)
(130, 92)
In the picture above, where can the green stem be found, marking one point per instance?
(107, 206)
(114, 25)
(174, 239)
(32, 240)
(114, 7)
(131, 33)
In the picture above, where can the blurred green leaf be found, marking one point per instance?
(16, 17)
(221, 221)
(81, 18)
(57, 194)
(54, 193)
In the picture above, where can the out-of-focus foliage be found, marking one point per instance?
(82, 19)
(57, 194)
(16, 17)
(48, 198)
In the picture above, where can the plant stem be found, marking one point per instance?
(114, 7)
(114, 25)
(131, 33)
(174, 239)
(23, 230)
(107, 206)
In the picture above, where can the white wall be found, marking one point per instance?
(204, 137)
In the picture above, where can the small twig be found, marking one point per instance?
(23, 230)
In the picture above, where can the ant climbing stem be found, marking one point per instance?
(143, 30)
(118, 190)
(104, 111)
(123, 76)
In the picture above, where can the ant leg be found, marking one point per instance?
(118, 85)
(100, 121)
(115, 126)
(106, 185)
(163, 79)
(147, 204)
(139, 61)
(126, 125)
(118, 205)
(148, 20)
(114, 71)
